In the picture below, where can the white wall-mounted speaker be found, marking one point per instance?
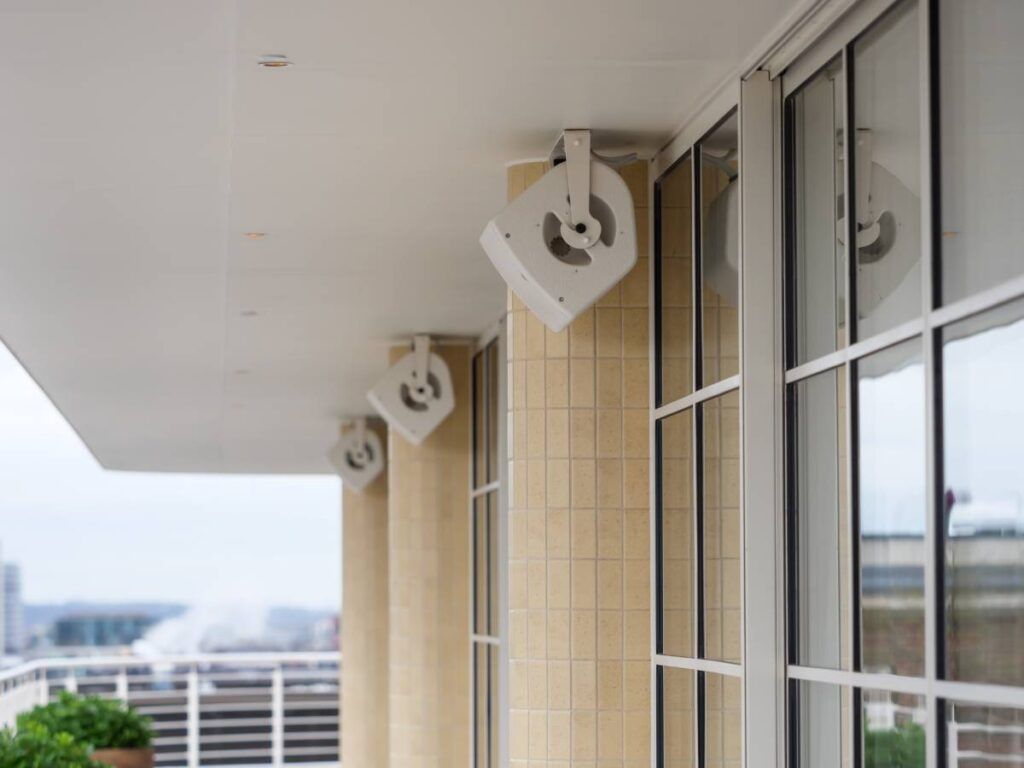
(568, 239)
(358, 456)
(415, 395)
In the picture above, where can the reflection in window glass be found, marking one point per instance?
(675, 439)
(887, 173)
(720, 518)
(821, 538)
(677, 716)
(980, 735)
(817, 263)
(823, 728)
(720, 251)
(894, 729)
(981, 68)
(890, 489)
(723, 719)
(983, 442)
(675, 262)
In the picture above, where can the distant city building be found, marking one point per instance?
(13, 626)
(100, 629)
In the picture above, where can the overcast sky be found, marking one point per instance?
(80, 532)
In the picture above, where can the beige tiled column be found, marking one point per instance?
(364, 679)
(579, 574)
(428, 558)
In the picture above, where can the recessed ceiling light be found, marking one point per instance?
(255, 235)
(274, 60)
(249, 313)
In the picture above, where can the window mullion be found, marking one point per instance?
(933, 616)
(849, 276)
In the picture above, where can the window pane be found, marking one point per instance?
(675, 449)
(981, 67)
(983, 418)
(979, 735)
(493, 560)
(678, 689)
(479, 420)
(817, 263)
(482, 726)
(481, 566)
(890, 489)
(676, 291)
(723, 721)
(720, 251)
(887, 175)
(495, 410)
(823, 730)
(722, 541)
(894, 729)
(821, 539)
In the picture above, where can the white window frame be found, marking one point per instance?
(927, 329)
(805, 43)
(496, 334)
(730, 98)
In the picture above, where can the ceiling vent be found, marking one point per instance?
(415, 395)
(358, 456)
(569, 238)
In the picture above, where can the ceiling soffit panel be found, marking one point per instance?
(148, 143)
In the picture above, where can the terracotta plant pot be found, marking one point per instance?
(125, 758)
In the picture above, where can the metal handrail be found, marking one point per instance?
(290, 709)
(253, 659)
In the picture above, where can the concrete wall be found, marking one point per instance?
(364, 632)
(428, 558)
(578, 540)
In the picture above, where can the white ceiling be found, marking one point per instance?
(140, 140)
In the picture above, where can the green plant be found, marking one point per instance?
(36, 747)
(899, 747)
(92, 721)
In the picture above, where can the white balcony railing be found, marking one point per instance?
(252, 709)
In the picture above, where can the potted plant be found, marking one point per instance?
(114, 732)
(36, 747)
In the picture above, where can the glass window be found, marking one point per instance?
(820, 556)
(675, 292)
(894, 729)
(676, 545)
(979, 735)
(485, 527)
(817, 262)
(982, 119)
(484, 719)
(677, 716)
(723, 721)
(822, 736)
(905, 435)
(891, 503)
(983, 473)
(480, 420)
(494, 410)
(720, 251)
(698, 537)
(493, 559)
(887, 172)
(720, 527)
(485, 559)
